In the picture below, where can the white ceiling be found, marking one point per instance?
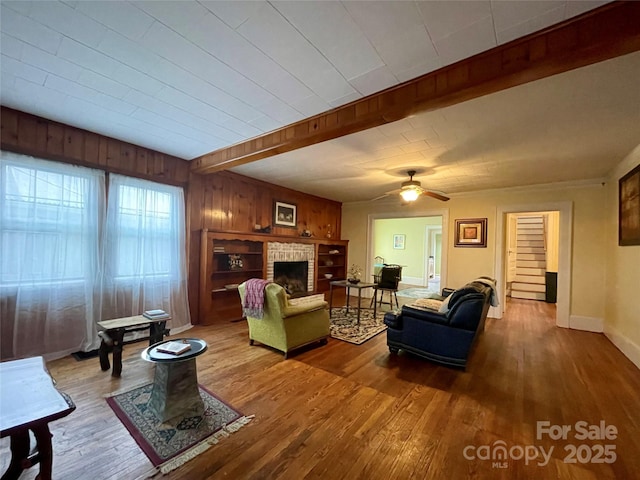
(187, 78)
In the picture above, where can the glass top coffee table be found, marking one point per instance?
(175, 384)
(348, 285)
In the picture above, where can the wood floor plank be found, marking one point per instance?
(358, 412)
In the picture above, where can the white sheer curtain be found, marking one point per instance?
(51, 216)
(145, 252)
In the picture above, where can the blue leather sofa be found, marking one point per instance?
(444, 337)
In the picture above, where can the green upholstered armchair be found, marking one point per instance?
(286, 327)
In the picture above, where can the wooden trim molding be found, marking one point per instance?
(607, 32)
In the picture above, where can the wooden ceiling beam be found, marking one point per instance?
(603, 33)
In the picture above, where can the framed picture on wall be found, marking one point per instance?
(398, 241)
(284, 214)
(471, 232)
(629, 208)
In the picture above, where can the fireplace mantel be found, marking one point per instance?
(267, 237)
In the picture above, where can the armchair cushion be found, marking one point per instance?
(293, 310)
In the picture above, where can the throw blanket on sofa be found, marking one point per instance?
(489, 282)
(253, 305)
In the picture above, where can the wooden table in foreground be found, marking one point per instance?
(29, 401)
(113, 337)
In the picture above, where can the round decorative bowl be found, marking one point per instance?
(328, 275)
(353, 280)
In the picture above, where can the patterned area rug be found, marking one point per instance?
(345, 327)
(174, 442)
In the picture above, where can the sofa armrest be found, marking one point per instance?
(393, 319)
(447, 291)
(293, 310)
(425, 315)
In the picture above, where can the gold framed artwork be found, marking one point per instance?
(629, 208)
(471, 232)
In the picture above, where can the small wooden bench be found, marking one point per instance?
(113, 337)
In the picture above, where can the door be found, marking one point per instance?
(433, 256)
(512, 250)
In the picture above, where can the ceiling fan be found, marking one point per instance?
(411, 190)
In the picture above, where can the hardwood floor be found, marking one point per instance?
(346, 411)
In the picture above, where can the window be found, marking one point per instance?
(145, 255)
(51, 215)
(141, 221)
(48, 218)
(63, 267)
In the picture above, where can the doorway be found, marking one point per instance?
(565, 220)
(532, 255)
(433, 256)
(384, 227)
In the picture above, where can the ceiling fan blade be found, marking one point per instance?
(378, 198)
(435, 195)
(386, 194)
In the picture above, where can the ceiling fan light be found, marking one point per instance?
(410, 194)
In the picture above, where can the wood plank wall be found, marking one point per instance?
(223, 201)
(229, 202)
(42, 138)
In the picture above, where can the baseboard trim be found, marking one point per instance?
(588, 324)
(628, 348)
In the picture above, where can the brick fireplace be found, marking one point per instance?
(291, 252)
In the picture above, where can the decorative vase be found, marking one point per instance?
(353, 280)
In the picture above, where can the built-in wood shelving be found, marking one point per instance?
(219, 300)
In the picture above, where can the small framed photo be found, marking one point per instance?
(471, 232)
(398, 241)
(284, 215)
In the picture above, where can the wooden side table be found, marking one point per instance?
(348, 285)
(113, 337)
(29, 401)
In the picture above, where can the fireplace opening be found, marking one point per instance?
(292, 276)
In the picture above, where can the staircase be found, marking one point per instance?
(531, 261)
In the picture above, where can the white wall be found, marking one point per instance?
(622, 306)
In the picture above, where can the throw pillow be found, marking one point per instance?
(429, 303)
(444, 308)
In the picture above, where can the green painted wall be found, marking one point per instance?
(412, 257)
